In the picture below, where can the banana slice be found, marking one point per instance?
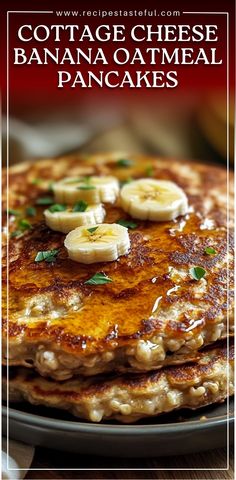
(156, 200)
(99, 243)
(93, 190)
(67, 220)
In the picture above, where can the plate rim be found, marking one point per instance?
(73, 426)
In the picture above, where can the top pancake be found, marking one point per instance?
(153, 313)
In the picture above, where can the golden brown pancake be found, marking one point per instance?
(153, 313)
(130, 397)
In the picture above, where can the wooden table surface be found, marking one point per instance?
(50, 460)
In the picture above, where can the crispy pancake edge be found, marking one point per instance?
(57, 336)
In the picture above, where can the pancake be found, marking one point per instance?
(153, 313)
(130, 397)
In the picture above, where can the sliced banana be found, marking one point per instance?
(93, 190)
(156, 200)
(67, 220)
(99, 243)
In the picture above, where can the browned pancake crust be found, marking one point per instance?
(130, 397)
(119, 314)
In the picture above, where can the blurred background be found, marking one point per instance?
(184, 122)
(189, 127)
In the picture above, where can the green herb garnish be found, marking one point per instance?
(210, 251)
(11, 211)
(92, 230)
(86, 178)
(47, 256)
(16, 233)
(57, 207)
(80, 206)
(150, 171)
(50, 186)
(98, 279)
(127, 223)
(86, 187)
(124, 182)
(197, 272)
(36, 181)
(124, 162)
(44, 201)
(24, 224)
(30, 211)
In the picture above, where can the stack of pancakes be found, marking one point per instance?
(153, 340)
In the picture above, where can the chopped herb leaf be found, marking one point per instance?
(98, 279)
(197, 273)
(47, 256)
(150, 171)
(24, 224)
(30, 211)
(80, 206)
(57, 207)
(124, 182)
(13, 212)
(92, 230)
(127, 223)
(124, 162)
(16, 233)
(86, 187)
(86, 178)
(36, 181)
(210, 251)
(44, 201)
